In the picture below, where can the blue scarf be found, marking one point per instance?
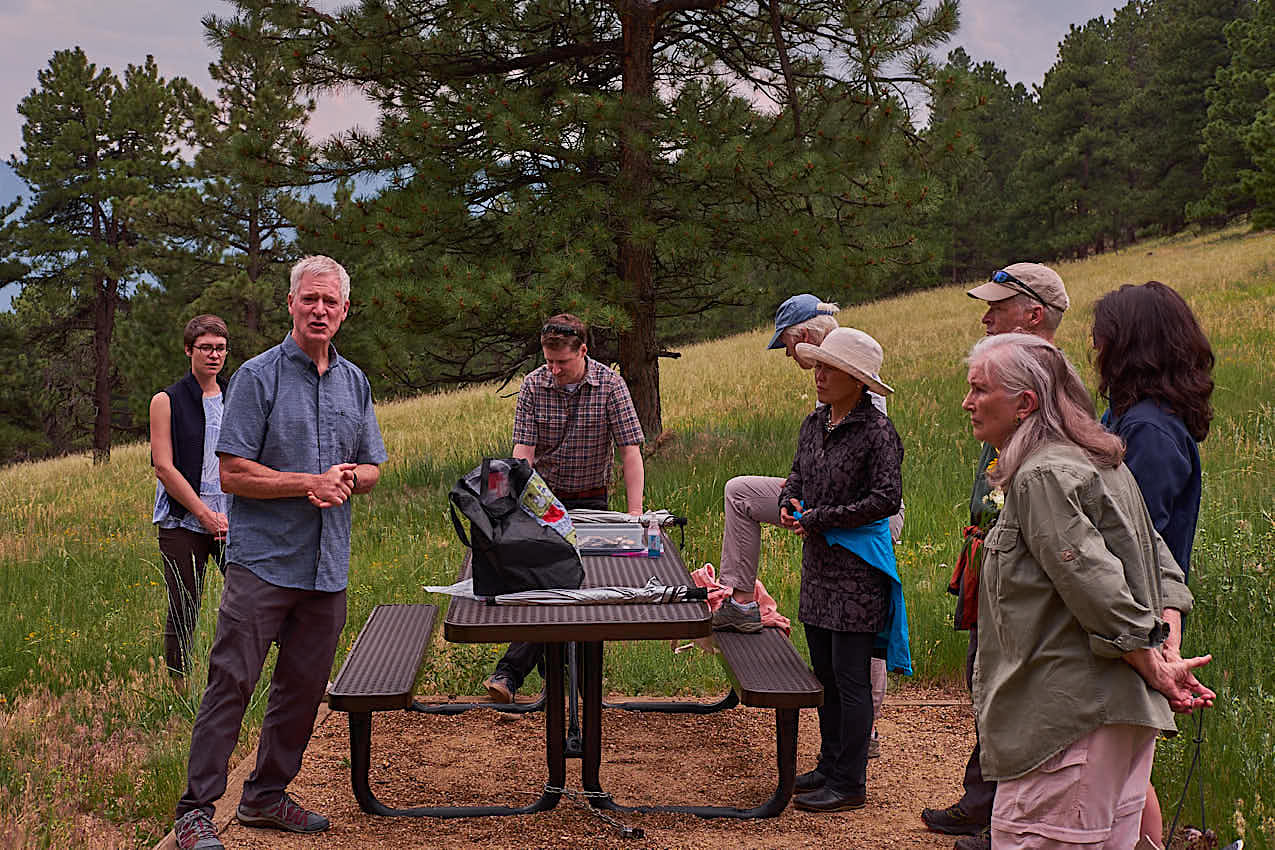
(872, 543)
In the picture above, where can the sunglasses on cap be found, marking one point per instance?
(1004, 277)
(553, 328)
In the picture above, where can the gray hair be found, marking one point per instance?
(318, 264)
(1018, 363)
(816, 327)
(1051, 318)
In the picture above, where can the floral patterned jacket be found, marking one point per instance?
(847, 478)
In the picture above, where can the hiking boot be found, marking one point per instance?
(195, 831)
(874, 745)
(982, 841)
(953, 821)
(285, 815)
(810, 780)
(733, 617)
(500, 688)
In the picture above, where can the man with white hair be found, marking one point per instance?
(1023, 298)
(298, 439)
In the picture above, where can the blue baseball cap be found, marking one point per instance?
(794, 311)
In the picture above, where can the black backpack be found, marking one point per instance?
(521, 536)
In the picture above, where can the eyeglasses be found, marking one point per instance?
(1003, 276)
(207, 349)
(562, 330)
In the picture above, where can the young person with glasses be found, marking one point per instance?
(190, 509)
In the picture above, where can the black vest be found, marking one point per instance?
(186, 401)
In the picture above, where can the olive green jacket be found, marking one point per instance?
(1074, 576)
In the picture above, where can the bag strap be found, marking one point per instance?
(460, 529)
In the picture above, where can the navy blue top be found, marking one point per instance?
(281, 413)
(1165, 461)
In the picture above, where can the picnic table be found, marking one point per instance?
(764, 668)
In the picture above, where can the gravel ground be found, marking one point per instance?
(484, 757)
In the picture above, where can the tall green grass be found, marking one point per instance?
(88, 718)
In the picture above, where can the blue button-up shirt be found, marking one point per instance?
(281, 413)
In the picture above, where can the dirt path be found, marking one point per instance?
(722, 759)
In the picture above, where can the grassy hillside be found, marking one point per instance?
(92, 737)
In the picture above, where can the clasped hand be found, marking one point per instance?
(333, 487)
(788, 521)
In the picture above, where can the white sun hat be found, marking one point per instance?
(853, 352)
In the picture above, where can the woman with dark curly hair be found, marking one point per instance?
(1155, 369)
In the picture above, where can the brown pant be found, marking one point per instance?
(306, 624)
(185, 555)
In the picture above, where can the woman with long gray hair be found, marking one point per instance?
(1071, 682)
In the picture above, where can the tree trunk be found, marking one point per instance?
(103, 328)
(639, 346)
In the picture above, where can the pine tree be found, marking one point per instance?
(230, 227)
(626, 160)
(93, 145)
(1239, 114)
(227, 232)
(988, 123)
(1071, 174)
(1185, 48)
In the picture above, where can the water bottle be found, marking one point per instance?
(654, 542)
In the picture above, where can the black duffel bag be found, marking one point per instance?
(521, 536)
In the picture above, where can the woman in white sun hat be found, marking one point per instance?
(844, 485)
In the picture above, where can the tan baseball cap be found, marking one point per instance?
(1039, 283)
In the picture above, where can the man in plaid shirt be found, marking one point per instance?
(572, 412)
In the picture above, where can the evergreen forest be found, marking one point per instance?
(669, 171)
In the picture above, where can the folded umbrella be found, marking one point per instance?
(652, 592)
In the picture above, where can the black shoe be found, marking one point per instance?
(810, 780)
(982, 841)
(953, 821)
(826, 800)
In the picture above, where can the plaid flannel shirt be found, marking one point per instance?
(603, 419)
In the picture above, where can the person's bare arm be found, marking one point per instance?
(253, 480)
(1172, 647)
(634, 477)
(367, 475)
(175, 484)
(527, 453)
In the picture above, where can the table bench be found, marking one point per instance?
(767, 672)
(378, 675)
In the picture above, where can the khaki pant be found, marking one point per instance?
(751, 500)
(1089, 795)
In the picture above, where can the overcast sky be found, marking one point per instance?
(1021, 36)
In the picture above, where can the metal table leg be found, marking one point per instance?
(555, 758)
(590, 767)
